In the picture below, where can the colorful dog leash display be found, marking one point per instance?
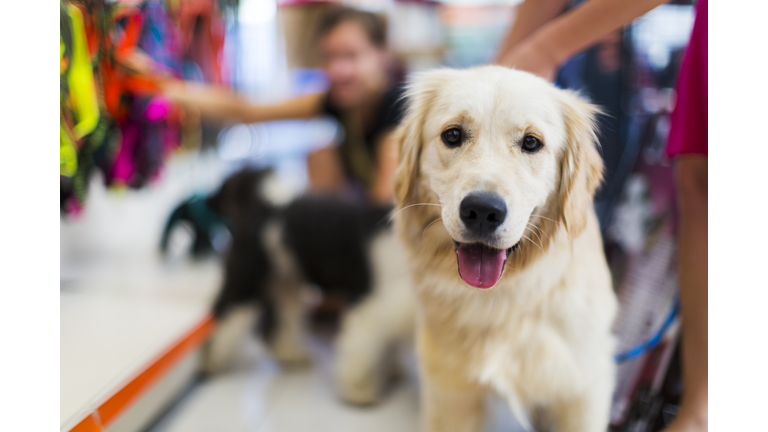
(202, 30)
(115, 121)
(148, 135)
(79, 108)
(96, 148)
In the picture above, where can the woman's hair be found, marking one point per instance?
(374, 25)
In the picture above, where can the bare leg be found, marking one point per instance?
(692, 172)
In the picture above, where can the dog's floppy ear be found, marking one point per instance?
(408, 137)
(420, 95)
(581, 166)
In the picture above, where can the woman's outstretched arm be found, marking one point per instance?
(222, 105)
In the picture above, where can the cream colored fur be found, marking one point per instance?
(541, 336)
(372, 331)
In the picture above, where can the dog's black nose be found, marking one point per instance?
(482, 212)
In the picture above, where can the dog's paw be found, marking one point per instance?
(218, 355)
(214, 365)
(360, 392)
(359, 383)
(291, 355)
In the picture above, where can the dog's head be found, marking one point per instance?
(505, 154)
(250, 195)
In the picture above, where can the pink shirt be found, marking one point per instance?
(689, 121)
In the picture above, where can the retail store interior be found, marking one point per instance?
(145, 255)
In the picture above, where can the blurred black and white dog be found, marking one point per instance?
(280, 244)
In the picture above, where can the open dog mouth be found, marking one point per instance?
(481, 265)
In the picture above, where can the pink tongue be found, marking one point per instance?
(479, 265)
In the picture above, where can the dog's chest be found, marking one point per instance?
(517, 338)
(528, 360)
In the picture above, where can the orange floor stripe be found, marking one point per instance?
(110, 410)
(89, 424)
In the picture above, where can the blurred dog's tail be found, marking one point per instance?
(203, 220)
(181, 212)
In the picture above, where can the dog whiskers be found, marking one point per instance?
(544, 217)
(533, 242)
(540, 231)
(409, 206)
(425, 229)
(534, 233)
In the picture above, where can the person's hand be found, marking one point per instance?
(534, 57)
(175, 90)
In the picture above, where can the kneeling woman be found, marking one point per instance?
(354, 55)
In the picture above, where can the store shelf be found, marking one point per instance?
(114, 349)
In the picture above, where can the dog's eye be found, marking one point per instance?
(452, 137)
(531, 144)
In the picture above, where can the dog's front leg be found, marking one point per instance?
(288, 342)
(589, 411)
(450, 401)
(231, 331)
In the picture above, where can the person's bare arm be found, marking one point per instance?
(222, 105)
(383, 191)
(691, 174)
(546, 48)
(325, 170)
(530, 15)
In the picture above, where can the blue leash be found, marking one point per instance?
(651, 343)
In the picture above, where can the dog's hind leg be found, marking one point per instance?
(366, 347)
(360, 356)
(372, 329)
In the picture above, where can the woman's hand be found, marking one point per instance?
(221, 104)
(542, 50)
(534, 57)
(182, 92)
(213, 103)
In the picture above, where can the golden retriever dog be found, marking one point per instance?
(495, 185)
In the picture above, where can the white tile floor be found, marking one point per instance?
(256, 395)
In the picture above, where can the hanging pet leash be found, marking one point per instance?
(653, 341)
